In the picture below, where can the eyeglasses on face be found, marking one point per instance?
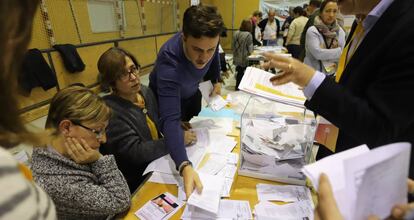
(98, 133)
(133, 70)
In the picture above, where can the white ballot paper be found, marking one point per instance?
(209, 199)
(366, 182)
(285, 193)
(206, 88)
(229, 210)
(161, 207)
(293, 211)
(257, 82)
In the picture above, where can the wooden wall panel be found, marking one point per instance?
(242, 12)
(153, 18)
(162, 39)
(143, 49)
(90, 56)
(82, 14)
(62, 21)
(167, 19)
(133, 19)
(39, 38)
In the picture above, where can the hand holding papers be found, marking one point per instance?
(209, 199)
(216, 102)
(161, 207)
(257, 82)
(366, 182)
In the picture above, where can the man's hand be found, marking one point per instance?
(216, 89)
(191, 180)
(190, 137)
(80, 151)
(292, 70)
(327, 208)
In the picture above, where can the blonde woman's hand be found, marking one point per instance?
(190, 137)
(80, 152)
(191, 180)
(292, 70)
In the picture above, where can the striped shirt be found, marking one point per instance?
(20, 198)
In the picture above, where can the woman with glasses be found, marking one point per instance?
(82, 183)
(133, 135)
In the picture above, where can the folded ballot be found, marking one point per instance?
(365, 182)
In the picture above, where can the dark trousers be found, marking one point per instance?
(223, 66)
(295, 50)
(191, 106)
(240, 73)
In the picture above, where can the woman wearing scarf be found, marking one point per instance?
(325, 40)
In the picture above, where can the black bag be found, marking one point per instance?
(71, 59)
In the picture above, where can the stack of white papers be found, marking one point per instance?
(293, 211)
(366, 182)
(257, 82)
(214, 125)
(228, 210)
(209, 199)
(284, 193)
(220, 143)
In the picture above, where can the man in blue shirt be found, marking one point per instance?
(182, 63)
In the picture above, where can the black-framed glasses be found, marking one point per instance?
(98, 133)
(133, 70)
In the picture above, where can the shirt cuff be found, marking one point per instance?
(314, 84)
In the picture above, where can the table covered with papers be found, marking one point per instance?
(226, 195)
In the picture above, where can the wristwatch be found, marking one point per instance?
(183, 165)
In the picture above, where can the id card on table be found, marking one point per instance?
(161, 207)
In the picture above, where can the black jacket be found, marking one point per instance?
(262, 25)
(372, 102)
(129, 138)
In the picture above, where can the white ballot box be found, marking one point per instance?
(276, 140)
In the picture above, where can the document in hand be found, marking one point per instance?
(257, 82)
(366, 182)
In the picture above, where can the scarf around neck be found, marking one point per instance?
(329, 32)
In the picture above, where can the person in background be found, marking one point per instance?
(20, 197)
(242, 48)
(325, 40)
(182, 63)
(295, 31)
(82, 183)
(223, 65)
(256, 33)
(368, 99)
(270, 27)
(286, 24)
(133, 135)
(313, 9)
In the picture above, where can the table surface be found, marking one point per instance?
(243, 188)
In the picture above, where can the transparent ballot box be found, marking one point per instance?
(276, 140)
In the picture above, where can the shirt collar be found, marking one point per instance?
(375, 14)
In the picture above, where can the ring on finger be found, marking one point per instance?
(290, 67)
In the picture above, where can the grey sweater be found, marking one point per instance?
(93, 191)
(129, 138)
(242, 48)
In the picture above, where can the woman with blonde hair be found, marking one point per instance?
(20, 197)
(82, 183)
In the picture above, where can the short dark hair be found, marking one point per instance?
(246, 25)
(324, 3)
(111, 65)
(315, 3)
(299, 10)
(202, 20)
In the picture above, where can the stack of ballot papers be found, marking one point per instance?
(365, 182)
(275, 147)
(301, 206)
(216, 102)
(228, 210)
(302, 210)
(257, 82)
(214, 125)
